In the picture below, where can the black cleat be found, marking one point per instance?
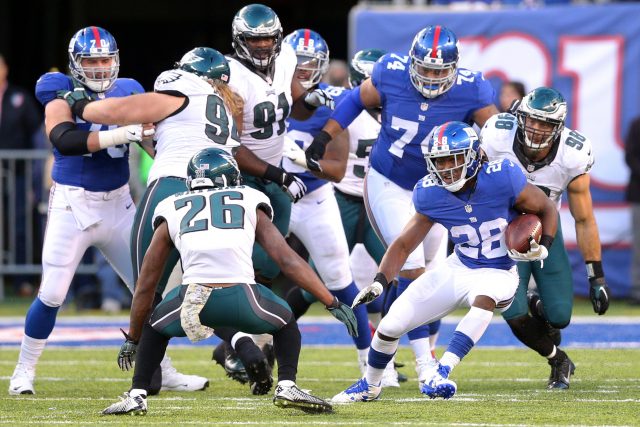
(561, 370)
(270, 354)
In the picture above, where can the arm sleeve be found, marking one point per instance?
(350, 108)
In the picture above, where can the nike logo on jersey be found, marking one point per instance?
(128, 206)
(321, 201)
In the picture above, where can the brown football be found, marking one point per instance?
(520, 230)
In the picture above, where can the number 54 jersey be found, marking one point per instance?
(408, 117)
(214, 231)
(570, 157)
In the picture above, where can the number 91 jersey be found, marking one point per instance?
(408, 117)
(214, 231)
(476, 219)
(570, 157)
(204, 122)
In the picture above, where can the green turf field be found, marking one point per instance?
(495, 388)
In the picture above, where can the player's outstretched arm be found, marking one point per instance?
(333, 165)
(412, 235)
(150, 273)
(588, 238)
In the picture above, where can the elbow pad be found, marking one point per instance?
(350, 108)
(69, 140)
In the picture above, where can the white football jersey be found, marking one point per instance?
(203, 123)
(266, 105)
(214, 231)
(573, 158)
(363, 132)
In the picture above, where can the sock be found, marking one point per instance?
(286, 345)
(138, 392)
(346, 296)
(150, 352)
(553, 353)
(380, 354)
(421, 347)
(30, 351)
(532, 332)
(237, 337)
(40, 320)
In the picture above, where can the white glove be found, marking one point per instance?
(123, 135)
(294, 187)
(536, 252)
(319, 97)
(293, 152)
(368, 294)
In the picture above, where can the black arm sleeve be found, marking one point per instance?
(68, 140)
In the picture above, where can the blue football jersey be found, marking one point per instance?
(104, 170)
(476, 219)
(302, 132)
(408, 117)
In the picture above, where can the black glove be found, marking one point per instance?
(344, 313)
(599, 294)
(127, 353)
(290, 184)
(316, 150)
(78, 98)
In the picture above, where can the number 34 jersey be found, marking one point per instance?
(202, 123)
(476, 219)
(266, 104)
(408, 117)
(214, 231)
(571, 156)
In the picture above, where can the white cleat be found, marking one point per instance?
(129, 404)
(361, 391)
(172, 380)
(390, 376)
(426, 369)
(289, 395)
(440, 385)
(22, 380)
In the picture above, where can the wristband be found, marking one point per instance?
(594, 269)
(380, 278)
(323, 137)
(110, 138)
(546, 241)
(274, 174)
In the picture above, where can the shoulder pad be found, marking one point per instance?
(48, 84)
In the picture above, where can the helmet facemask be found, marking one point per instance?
(544, 105)
(253, 22)
(313, 67)
(431, 87)
(454, 177)
(94, 43)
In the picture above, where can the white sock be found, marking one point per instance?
(236, 337)
(449, 359)
(286, 383)
(30, 351)
(363, 354)
(553, 353)
(421, 347)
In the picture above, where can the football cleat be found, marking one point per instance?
(259, 374)
(439, 385)
(235, 369)
(288, 395)
(360, 391)
(269, 353)
(172, 380)
(426, 369)
(390, 376)
(561, 370)
(134, 405)
(22, 380)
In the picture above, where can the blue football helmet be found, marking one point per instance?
(212, 168)
(312, 53)
(256, 21)
(457, 140)
(94, 42)
(543, 104)
(434, 61)
(361, 65)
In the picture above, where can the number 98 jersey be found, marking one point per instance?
(570, 157)
(214, 231)
(408, 117)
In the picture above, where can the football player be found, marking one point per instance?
(90, 202)
(474, 200)
(214, 226)
(416, 92)
(556, 159)
(315, 219)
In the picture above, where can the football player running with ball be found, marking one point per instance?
(474, 200)
(555, 159)
(214, 226)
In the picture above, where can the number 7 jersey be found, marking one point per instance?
(570, 157)
(214, 231)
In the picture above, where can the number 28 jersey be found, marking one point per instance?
(571, 157)
(476, 219)
(408, 117)
(202, 123)
(214, 231)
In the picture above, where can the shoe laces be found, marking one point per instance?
(444, 371)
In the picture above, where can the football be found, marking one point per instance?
(520, 230)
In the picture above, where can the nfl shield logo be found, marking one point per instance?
(424, 106)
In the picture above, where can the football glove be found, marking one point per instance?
(316, 150)
(127, 353)
(599, 294)
(293, 186)
(371, 292)
(344, 313)
(536, 252)
(78, 98)
(293, 152)
(319, 98)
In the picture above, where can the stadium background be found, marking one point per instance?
(509, 44)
